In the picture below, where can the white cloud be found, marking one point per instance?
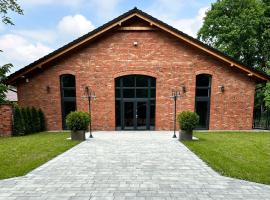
(74, 26)
(2, 26)
(190, 26)
(104, 9)
(20, 51)
(48, 2)
(41, 35)
(21, 47)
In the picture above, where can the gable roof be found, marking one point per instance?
(250, 71)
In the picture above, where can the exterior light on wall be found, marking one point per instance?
(135, 44)
(27, 80)
(221, 88)
(48, 89)
(184, 89)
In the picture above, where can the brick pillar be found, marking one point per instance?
(6, 116)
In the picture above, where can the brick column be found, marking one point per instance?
(6, 117)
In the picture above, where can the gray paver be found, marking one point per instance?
(129, 165)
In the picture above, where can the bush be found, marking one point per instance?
(28, 120)
(187, 120)
(41, 120)
(18, 122)
(77, 121)
(35, 120)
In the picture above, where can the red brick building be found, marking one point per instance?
(133, 63)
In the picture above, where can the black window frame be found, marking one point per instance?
(151, 85)
(204, 98)
(65, 98)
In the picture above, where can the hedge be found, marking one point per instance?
(27, 120)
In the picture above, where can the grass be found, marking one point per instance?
(242, 155)
(19, 155)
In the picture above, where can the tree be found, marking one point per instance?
(26, 121)
(36, 121)
(5, 7)
(18, 127)
(3, 87)
(42, 120)
(241, 29)
(30, 120)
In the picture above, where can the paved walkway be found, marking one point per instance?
(128, 165)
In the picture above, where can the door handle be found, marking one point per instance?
(136, 116)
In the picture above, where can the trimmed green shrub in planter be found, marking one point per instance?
(187, 122)
(78, 122)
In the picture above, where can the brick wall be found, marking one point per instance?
(172, 62)
(6, 113)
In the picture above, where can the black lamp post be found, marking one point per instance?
(90, 95)
(175, 96)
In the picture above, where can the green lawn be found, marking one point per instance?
(242, 155)
(20, 155)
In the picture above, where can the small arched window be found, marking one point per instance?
(68, 96)
(202, 101)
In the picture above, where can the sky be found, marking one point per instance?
(49, 24)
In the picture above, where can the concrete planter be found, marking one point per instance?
(78, 135)
(185, 135)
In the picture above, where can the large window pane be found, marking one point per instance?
(69, 93)
(68, 81)
(202, 111)
(142, 93)
(203, 80)
(128, 81)
(117, 82)
(152, 112)
(128, 93)
(68, 96)
(153, 93)
(142, 81)
(118, 112)
(202, 92)
(118, 93)
(153, 82)
(202, 107)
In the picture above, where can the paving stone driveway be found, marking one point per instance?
(128, 165)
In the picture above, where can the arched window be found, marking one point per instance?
(68, 96)
(135, 102)
(203, 96)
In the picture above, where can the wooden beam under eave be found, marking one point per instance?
(136, 28)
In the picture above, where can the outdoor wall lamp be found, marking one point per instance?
(184, 89)
(221, 88)
(135, 43)
(48, 89)
(27, 80)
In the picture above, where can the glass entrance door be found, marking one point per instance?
(135, 115)
(129, 115)
(141, 115)
(135, 97)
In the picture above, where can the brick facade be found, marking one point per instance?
(174, 63)
(6, 116)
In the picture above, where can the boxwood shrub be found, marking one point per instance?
(188, 120)
(78, 121)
